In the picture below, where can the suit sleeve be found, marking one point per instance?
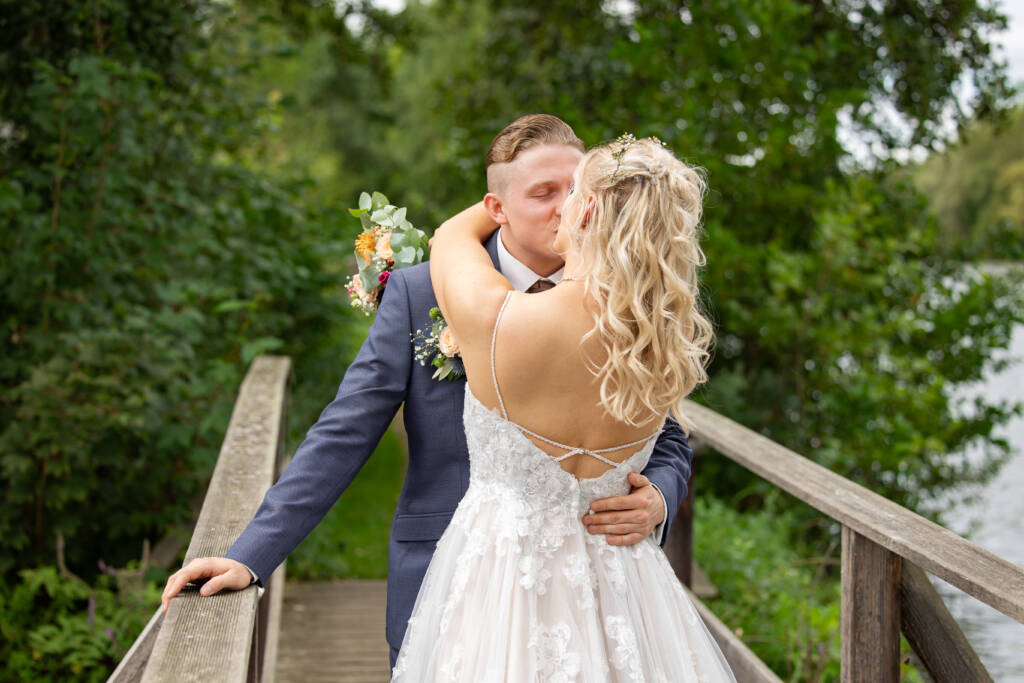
(669, 470)
(339, 444)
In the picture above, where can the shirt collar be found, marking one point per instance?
(517, 272)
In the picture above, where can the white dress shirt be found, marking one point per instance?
(522, 278)
(519, 274)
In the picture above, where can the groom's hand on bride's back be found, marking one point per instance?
(627, 519)
(220, 573)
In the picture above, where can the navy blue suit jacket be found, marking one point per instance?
(383, 376)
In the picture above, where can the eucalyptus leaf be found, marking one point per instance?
(365, 201)
(369, 279)
(405, 256)
(443, 371)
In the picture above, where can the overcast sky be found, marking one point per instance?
(1012, 41)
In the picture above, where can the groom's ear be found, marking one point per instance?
(496, 208)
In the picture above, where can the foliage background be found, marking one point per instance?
(173, 179)
(976, 188)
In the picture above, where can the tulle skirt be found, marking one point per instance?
(502, 601)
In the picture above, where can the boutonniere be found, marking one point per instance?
(439, 348)
(388, 241)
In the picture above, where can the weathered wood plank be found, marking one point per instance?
(933, 632)
(275, 602)
(209, 639)
(745, 665)
(869, 612)
(131, 666)
(333, 631)
(974, 570)
(702, 586)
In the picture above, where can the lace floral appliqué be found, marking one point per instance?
(554, 661)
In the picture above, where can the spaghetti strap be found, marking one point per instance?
(494, 336)
(572, 450)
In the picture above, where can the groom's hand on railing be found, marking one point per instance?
(627, 519)
(220, 573)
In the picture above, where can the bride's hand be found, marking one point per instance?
(221, 572)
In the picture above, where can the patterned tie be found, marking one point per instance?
(540, 285)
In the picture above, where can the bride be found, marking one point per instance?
(567, 391)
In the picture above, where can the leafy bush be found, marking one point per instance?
(784, 605)
(144, 268)
(58, 628)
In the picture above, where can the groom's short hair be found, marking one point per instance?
(525, 132)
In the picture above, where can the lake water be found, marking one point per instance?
(996, 522)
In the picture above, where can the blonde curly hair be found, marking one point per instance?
(641, 256)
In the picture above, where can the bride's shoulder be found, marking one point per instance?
(545, 319)
(473, 310)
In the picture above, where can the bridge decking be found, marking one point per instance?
(333, 631)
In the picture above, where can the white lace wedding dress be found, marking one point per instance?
(518, 591)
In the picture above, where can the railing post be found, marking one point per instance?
(933, 632)
(870, 611)
(679, 545)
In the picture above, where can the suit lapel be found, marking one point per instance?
(491, 245)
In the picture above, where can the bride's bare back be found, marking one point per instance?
(545, 382)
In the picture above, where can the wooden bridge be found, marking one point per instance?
(334, 631)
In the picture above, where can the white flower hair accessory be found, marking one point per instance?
(621, 144)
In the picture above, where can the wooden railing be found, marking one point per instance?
(232, 638)
(886, 550)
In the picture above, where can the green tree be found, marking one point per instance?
(144, 266)
(976, 188)
(324, 69)
(840, 333)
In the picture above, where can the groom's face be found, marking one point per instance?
(531, 190)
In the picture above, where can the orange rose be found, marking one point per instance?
(384, 247)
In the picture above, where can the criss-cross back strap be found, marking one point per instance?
(494, 335)
(592, 452)
(572, 450)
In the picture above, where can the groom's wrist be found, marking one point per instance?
(659, 530)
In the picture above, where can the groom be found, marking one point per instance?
(529, 169)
